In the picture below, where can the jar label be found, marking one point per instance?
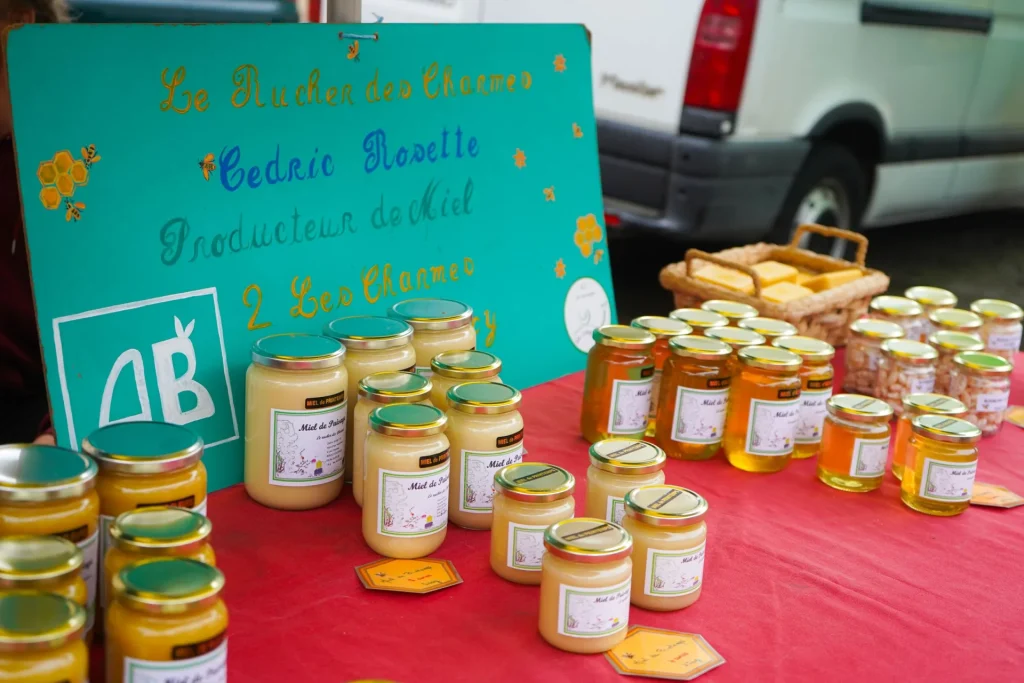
(511, 439)
(946, 481)
(1006, 341)
(631, 404)
(428, 461)
(615, 510)
(211, 667)
(818, 384)
(478, 470)
(873, 355)
(995, 402)
(525, 546)
(593, 612)
(325, 401)
(673, 573)
(922, 384)
(869, 457)
(412, 503)
(772, 427)
(424, 371)
(90, 547)
(812, 415)
(308, 446)
(699, 415)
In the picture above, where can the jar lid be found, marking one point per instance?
(661, 326)
(769, 327)
(952, 340)
(808, 348)
(701, 348)
(298, 352)
(433, 314)
(624, 337)
(159, 528)
(997, 309)
(33, 620)
(983, 363)
(933, 403)
(37, 558)
(769, 358)
(896, 306)
(859, 408)
(665, 505)
(699, 319)
(733, 310)
(395, 387)
(168, 585)
(483, 398)
(736, 337)
(876, 329)
(931, 296)
(534, 482)
(144, 447)
(466, 364)
(587, 539)
(408, 419)
(956, 318)
(32, 473)
(945, 428)
(909, 351)
(369, 332)
(627, 456)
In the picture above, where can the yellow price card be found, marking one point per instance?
(408, 576)
(657, 653)
(994, 495)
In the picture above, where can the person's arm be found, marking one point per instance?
(46, 434)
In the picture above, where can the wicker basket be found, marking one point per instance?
(826, 315)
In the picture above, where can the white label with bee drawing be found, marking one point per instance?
(699, 415)
(307, 446)
(593, 612)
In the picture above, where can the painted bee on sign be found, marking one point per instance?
(207, 166)
(353, 51)
(89, 155)
(73, 210)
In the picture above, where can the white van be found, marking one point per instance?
(737, 119)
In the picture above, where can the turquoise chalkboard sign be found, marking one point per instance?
(189, 189)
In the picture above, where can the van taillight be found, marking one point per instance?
(721, 49)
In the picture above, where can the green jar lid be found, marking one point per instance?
(32, 620)
(997, 309)
(408, 420)
(369, 332)
(433, 314)
(665, 505)
(157, 528)
(144, 447)
(627, 456)
(945, 428)
(468, 365)
(587, 539)
(951, 340)
(955, 319)
(298, 352)
(895, 306)
(37, 558)
(931, 296)
(983, 363)
(168, 585)
(394, 387)
(534, 482)
(32, 473)
(483, 398)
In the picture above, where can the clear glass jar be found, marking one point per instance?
(764, 410)
(455, 367)
(41, 639)
(663, 329)
(863, 349)
(167, 622)
(737, 338)
(816, 376)
(528, 498)
(617, 466)
(669, 540)
(296, 412)
(49, 564)
(617, 385)
(938, 477)
(485, 431)
(695, 394)
(914, 405)
(931, 300)
(949, 343)
(733, 311)
(584, 588)
(855, 443)
(405, 491)
(769, 328)
(1002, 328)
(906, 367)
(981, 381)
(438, 325)
(905, 312)
(699, 320)
(376, 390)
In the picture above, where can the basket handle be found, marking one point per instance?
(718, 260)
(825, 231)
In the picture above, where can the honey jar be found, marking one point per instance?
(948, 344)
(906, 367)
(737, 338)
(41, 639)
(438, 325)
(733, 311)
(931, 299)
(698, 319)
(942, 460)
(914, 405)
(663, 329)
(816, 376)
(769, 328)
(695, 394)
(981, 381)
(863, 350)
(905, 312)
(617, 466)
(617, 385)
(49, 564)
(1001, 329)
(455, 367)
(854, 443)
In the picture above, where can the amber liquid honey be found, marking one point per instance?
(661, 354)
(762, 417)
(901, 443)
(938, 477)
(692, 406)
(815, 391)
(616, 393)
(853, 455)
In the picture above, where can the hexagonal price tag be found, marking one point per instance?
(657, 653)
(408, 576)
(994, 495)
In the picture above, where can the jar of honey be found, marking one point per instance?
(167, 622)
(914, 405)
(455, 367)
(586, 575)
(528, 498)
(938, 476)
(906, 367)
(438, 325)
(854, 443)
(49, 564)
(948, 344)
(699, 320)
(617, 466)
(931, 299)
(617, 386)
(669, 539)
(737, 338)
(733, 311)
(41, 639)
(764, 410)
(663, 329)
(695, 393)
(863, 349)
(905, 312)
(1001, 329)
(769, 328)
(981, 381)
(816, 376)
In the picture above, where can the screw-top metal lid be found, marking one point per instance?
(298, 352)
(808, 348)
(369, 332)
(168, 585)
(895, 306)
(859, 408)
(665, 505)
(467, 365)
(732, 310)
(931, 296)
(736, 337)
(144, 447)
(587, 539)
(933, 403)
(945, 428)
(770, 358)
(955, 319)
(534, 482)
(32, 473)
(909, 351)
(624, 337)
(483, 398)
(37, 621)
(876, 329)
(997, 309)
(769, 328)
(699, 319)
(949, 340)
(433, 314)
(160, 528)
(661, 326)
(701, 348)
(394, 387)
(408, 420)
(983, 363)
(627, 456)
(36, 558)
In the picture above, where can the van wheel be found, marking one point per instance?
(831, 189)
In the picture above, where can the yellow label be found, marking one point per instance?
(408, 576)
(994, 495)
(1015, 415)
(656, 653)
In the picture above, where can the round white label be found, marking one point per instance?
(586, 309)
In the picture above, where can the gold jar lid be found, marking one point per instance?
(945, 428)
(627, 456)
(534, 482)
(931, 296)
(665, 505)
(395, 387)
(408, 419)
(770, 358)
(996, 309)
(983, 363)
(624, 337)
(808, 348)
(909, 351)
(876, 329)
(483, 398)
(701, 348)
(587, 539)
(736, 337)
(895, 306)
(37, 621)
(369, 332)
(37, 558)
(699, 319)
(859, 408)
(468, 365)
(298, 352)
(955, 318)
(732, 310)
(168, 585)
(160, 528)
(933, 403)
(33, 473)
(662, 327)
(950, 340)
(433, 314)
(770, 328)
(143, 447)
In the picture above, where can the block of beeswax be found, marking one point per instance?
(726, 277)
(773, 271)
(781, 292)
(804, 277)
(829, 280)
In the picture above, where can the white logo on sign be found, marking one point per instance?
(586, 309)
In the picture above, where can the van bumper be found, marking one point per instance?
(697, 187)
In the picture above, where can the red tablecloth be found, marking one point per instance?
(802, 582)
